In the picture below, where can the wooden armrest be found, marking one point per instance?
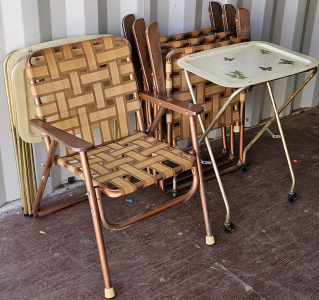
(68, 140)
(182, 107)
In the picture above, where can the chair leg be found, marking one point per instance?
(44, 177)
(232, 143)
(209, 235)
(242, 126)
(109, 290)
(224, 140)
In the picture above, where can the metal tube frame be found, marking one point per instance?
(221, 111)
(279, 111)
(282, 138)
(209, 235)
(149, 213)
(96, 220)
(44, 177)
(204, 137)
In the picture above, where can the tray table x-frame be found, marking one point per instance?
(242, 66)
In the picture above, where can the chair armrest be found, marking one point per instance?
(183, 107)
(68, 140)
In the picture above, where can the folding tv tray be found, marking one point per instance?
(242, 66)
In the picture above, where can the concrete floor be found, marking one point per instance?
(272, 254)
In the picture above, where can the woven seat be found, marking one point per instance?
(130, 157)
(148, 48)
(86, 99)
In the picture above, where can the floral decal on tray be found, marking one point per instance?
(263, 51)
(287, 62)
(236, 74)
(266, 69)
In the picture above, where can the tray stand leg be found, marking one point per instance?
(228, 226)
(283, 140)
(244, 164)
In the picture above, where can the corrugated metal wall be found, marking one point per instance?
(292, 24)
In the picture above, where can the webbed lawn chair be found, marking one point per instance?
(174, 83)
(79, 91)
(21, 109)
(211, 96)
(152, 34)
(141, 59)
(150, 52)
(135, 32)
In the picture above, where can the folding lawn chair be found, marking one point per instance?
(21, 109)
(212, 97)
(79, 89)
(141, 58)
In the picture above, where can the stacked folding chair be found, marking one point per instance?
(152, 50)
(21, 109)
(211, 96)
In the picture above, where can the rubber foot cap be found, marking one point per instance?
(236, 129)
(245, 167)
(109, 293)
(230, 228)
(210, 240)
(292, 197)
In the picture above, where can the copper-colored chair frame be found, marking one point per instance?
(53, 135)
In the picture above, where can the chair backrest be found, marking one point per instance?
(82, 88)
(215, 15)
(18, 88)
(229, 19)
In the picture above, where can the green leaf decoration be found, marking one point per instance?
(263, 51)
(237, 74)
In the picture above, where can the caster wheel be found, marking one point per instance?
(245, 167)
(174, 195)
(292, 197)
(232, 228)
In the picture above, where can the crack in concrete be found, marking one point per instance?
(246, 286)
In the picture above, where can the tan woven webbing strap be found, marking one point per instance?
(84, 87)
(186, 35)
(217, 37)
(130, 156)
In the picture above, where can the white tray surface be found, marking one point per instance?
(246, 64)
